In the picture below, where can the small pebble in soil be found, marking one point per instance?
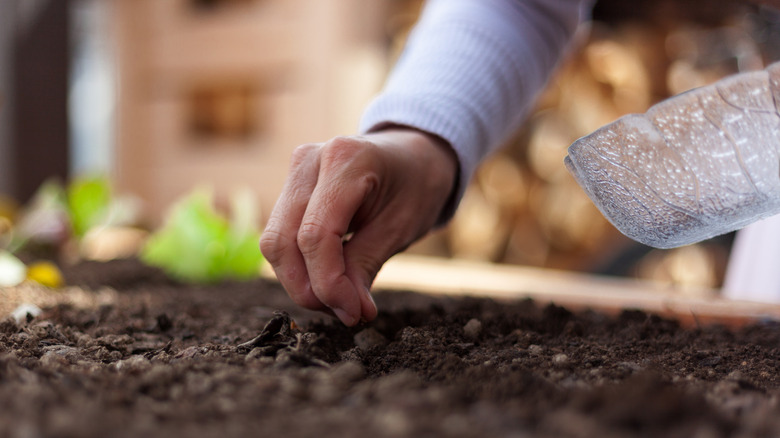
(26, 312)
(473, 329)
(560, 359)
(133, 364)
(535, 350)
(369, 338)
(59, 355)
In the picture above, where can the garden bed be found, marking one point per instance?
(136, 354)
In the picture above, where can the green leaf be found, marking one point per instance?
(244, 256)
(89, 200)
(198, 245)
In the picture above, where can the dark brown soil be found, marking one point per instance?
(173, 360)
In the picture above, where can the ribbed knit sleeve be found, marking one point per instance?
(470, 71)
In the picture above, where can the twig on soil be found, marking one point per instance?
(280, 325)
(282, 340)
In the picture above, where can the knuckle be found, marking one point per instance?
(310, 237)
(353, 159)
(303, 152)
(369, 181)
(270, 250)
(273, 244)
(340, 149)
(343, 142)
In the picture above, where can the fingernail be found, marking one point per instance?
(371, 298)
(345, 317)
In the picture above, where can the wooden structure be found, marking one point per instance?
(572, 290)
(219, 92)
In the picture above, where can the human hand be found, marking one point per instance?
(350, 204)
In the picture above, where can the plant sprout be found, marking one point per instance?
(197, 244)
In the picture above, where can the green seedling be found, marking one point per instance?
(198, 245)
(89, 204)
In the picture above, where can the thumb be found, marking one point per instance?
(364, 256)
(390, 232)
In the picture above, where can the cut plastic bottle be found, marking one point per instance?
(697, 165)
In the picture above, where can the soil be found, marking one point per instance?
(166, 359)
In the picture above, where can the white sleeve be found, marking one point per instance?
(471, 69)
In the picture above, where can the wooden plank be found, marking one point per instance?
(576, 291)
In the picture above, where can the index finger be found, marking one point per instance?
(278, 243)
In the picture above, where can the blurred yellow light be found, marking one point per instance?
(45, 273)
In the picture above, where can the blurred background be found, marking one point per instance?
(166, 95)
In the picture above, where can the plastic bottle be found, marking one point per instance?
(697, 165)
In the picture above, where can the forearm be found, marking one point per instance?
(470, 71)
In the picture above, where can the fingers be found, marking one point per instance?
(303, 237)
(381, 238)
(347, 181)
(278, 242)
(364, 256)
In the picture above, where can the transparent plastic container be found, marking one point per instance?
(697, 165)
